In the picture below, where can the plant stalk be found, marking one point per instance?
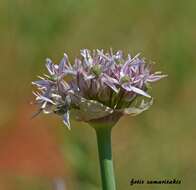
(105, 157)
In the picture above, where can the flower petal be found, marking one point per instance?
(111, 82)
(129, 87)
(66, 120)
(155, 77)
(61, 66)
(50, 66)
(42, 83)
(44, 99)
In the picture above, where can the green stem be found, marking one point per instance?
(105, 157)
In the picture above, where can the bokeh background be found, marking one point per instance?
(41, 154)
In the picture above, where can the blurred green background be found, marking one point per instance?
(41, 154)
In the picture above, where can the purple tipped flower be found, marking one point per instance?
(101, 85)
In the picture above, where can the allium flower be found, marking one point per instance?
(98, 86)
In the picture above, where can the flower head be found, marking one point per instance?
(98, 86)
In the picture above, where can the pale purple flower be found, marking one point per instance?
(101, 85)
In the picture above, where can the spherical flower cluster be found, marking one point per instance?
(97, 86)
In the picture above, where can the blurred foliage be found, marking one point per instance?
(159, 143)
